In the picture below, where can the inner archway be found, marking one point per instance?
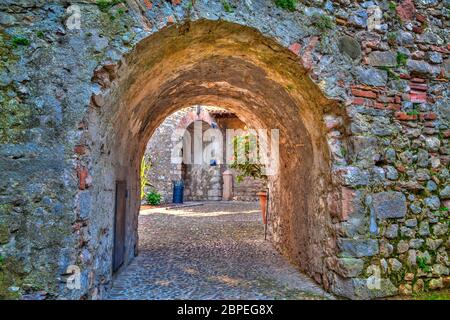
(216, 63)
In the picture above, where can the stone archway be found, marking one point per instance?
(219, 63)
(79, 102)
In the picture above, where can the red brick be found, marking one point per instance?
(418, 80)
(307, 55)
(403, 116)
(418, 86)
(398, 99)
(347, 198)
(363, 93)
(379, 105)
(359, 101)
(428, 116)
(82, 174)
(421, 17)
(295, 48)
(79, 149)
(148, 4)
(417, 29)
(418, 97)
(404, 76)
(440, 49)
(394, 106)
(406, 10)
(170, 20)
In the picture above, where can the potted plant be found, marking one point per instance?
(247, 166)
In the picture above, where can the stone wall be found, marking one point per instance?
(77, 104)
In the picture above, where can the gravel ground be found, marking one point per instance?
(213, 251)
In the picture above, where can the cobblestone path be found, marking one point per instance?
(213, 251)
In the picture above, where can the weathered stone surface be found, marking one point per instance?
(407, 232)
(371, 76)
(357, 288)
(389, 205)
(382, 59)
(433, 244)
(353, 176)
(402, 246)
(440, 270)
(358, 248)
(391, 231)
(421, 67)
(433, 202)
(435, 284)
(348, 267)
(416, 243)
(411, 223)
(440, 229)
(445, 193)
(424, 228)
(350, 47)
(395, 265)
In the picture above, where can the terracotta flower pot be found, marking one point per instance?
(263, 203)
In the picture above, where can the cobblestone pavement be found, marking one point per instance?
(213, 251)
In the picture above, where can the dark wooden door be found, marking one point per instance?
(119, 224)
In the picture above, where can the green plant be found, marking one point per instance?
(244, 146)
(413, 113)
(104, 5)
(227, 7)
(40, 34)
(322, 22)
(391, 37)
(16, 41)
(145, 166)
(392, 6)
(422, 263)
(153, 198)
(391, 74)
(401, 59)
(286, 4)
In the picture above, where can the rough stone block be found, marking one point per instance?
(358, 247)
(357, 288)
(382, 59)
(371, 76)
(390, 204)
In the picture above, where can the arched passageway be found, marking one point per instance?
(235, 67)
(81, 103)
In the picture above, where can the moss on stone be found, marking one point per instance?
(14, 120)
(286, 4)
(4, 233)
(7, 56)
(11, 275)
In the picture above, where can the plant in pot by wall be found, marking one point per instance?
(145, 167)
(153, 198)
(247, 163)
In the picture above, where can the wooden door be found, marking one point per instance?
(119, 224)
